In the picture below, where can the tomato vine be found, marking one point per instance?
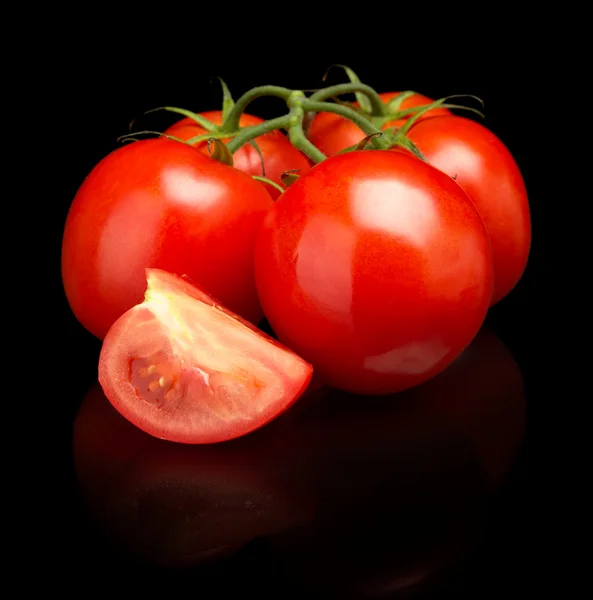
(370, 114)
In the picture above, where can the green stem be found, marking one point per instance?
(394, 104)
(199, 119)
(403, 130)
(377, 105)
(296, 133)
(231, 123)
(414, 109)
(207, 136)
(367, 127)
(299, 140)
(129, 136)
(269, 182)
(250, 133)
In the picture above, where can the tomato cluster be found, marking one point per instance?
(375, 266)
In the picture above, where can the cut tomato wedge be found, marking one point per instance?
(181, 367)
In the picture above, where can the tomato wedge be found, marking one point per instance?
(181, 367)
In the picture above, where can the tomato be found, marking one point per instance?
(376, 268)
(183, 368)
(484, 167)
(278, 154)
(332, 133)
(160, 203)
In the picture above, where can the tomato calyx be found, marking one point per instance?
(219, 151)
(414, 113)
(129, 137)
(289, 177)
(397, 136)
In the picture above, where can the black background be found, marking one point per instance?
(125, 75)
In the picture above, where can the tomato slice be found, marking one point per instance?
(181, 367)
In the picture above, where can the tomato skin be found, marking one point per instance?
(160, 203)
(279, 155)
(379, 278)
(484, 167)
(183, 368)
(332, 133)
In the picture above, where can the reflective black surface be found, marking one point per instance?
(342, 496)
(450, 490)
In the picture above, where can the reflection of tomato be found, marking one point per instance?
(332, 133)
(402, 481)
(160, 203)
(379, 278)
(278, 154)
(177, 505)
(482, 395)
(486, 170)
(183, 368)
(479, 399)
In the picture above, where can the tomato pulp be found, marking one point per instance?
(484, 167)
(183, 368)
(376, 268)
(277, 153)
(332, 133)
(160, 203)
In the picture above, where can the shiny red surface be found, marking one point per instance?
(376, 268)
(160, 203)
(484, 167)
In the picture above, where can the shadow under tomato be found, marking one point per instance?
(403, 482)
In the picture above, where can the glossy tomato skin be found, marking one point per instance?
(160, 203)
(279, 155)
(376, 268)
(184, 368)
(484, 167)
(332, 133)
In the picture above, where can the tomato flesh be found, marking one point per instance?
(183, 368)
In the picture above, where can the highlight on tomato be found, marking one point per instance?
(331, 133)
(159, 203)
(278, 155)
(181, 367)
(485, 168)
(379, 278)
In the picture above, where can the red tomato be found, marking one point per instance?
(279, 155)
(486, 170)
(332, 133)
(159, 203)
(379, 278)
(182, 368)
